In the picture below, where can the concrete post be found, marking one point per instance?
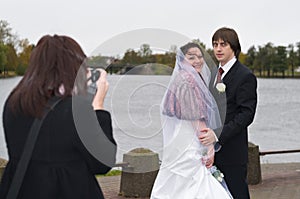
(138, 177)
(254, 170)
(3, 163)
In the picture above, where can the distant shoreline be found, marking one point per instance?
(261, 77)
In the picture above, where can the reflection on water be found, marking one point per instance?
(134, 100)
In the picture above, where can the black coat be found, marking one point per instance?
(239, 109)
(61, 166)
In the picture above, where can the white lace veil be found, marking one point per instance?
(187, 99)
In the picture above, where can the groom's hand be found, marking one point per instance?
(207, 136)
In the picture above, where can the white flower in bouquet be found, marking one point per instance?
(220, 177)
(217, 173)
(221, 87)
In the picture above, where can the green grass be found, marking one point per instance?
(111, 173)
(8, 74)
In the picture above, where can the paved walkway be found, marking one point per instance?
(279, 181)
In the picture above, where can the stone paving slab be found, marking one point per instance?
(279, 181)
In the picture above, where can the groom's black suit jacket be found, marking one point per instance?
(239, 111)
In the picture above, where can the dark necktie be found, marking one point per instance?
(221, 71)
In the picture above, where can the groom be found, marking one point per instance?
(241, 97)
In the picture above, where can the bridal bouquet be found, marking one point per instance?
(219, 177)
(216, 173)
(206, 153)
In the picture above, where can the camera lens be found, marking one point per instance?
(95, 75)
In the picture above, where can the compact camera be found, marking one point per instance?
(95, 74)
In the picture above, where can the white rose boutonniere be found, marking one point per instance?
(221, 87)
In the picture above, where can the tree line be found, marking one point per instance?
(14, 52)
(272, 61)
(265, 61)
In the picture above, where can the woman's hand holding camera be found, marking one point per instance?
(102, 88)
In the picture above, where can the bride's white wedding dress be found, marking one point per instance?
(182, 174)
(186, 104)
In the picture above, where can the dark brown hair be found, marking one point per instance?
(230, 36)
(189, 45)
(54, 61)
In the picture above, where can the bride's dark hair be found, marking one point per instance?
(189, 45)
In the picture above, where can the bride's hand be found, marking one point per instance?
(208, 160)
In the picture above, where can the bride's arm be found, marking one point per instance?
(201, 129)
(210, 156)
(198, 126)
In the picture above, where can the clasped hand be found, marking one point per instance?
(207, 136)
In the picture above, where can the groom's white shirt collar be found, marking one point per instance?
(227, 66)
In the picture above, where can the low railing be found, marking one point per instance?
(254, 166)
(278, 152)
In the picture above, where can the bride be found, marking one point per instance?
(187, 110)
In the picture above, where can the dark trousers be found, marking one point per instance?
(236, 180)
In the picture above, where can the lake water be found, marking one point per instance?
(133, 101)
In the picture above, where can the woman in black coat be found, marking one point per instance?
(63, 165)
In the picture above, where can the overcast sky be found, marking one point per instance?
(92, 22)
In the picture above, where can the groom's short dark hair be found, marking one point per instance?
(230, 36)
